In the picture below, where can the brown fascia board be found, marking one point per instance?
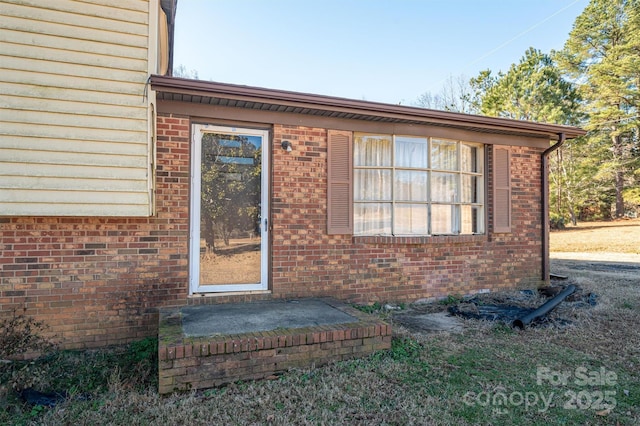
(330, 103)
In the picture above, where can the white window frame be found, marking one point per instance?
(480, 205)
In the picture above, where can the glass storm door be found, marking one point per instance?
(228, 235)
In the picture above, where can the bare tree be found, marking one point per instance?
(182, 72)
(455, 95)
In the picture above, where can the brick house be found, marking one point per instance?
(365, 201)
(179, 191)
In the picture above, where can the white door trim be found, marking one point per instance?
(194, 215)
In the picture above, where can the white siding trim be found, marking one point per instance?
(152, 68)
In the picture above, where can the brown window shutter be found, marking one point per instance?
(501, 189)
(339, 182)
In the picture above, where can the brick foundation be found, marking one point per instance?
(199, 363)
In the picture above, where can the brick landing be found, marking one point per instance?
(203, 362)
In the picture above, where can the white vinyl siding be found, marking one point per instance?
(74, 119)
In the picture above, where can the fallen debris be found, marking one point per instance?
(503, 313)
(44, 399)
(558, 277)
(525, 307)
(544, 309)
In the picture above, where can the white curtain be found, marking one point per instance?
(444, 155)
(411, 186)
(444, 187)
(372, 185)
(472, 220)
(411, 219)
(444, 219)
(468, 194)
(470, 158)
(372, 219)
(411, 152)
(372, 151)
(466, 215)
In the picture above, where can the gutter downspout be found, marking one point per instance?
(545, 207)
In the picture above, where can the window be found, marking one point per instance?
(417, 186)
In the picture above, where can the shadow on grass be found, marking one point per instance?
(598, 225)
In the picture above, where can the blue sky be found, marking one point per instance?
(377, 50)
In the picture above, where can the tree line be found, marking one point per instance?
(593, 82)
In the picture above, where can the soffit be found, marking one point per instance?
(254, 98)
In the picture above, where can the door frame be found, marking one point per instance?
(197, 130)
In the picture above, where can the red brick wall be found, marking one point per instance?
(308, 262)
(97, 281)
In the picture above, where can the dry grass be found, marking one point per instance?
(425, 378)
(607, 332)
(620, 236)
(234, 268)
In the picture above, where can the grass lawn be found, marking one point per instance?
(584, 373)
(619, 236)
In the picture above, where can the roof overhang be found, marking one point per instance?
(256, 98)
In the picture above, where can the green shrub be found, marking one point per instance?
(369, 309)
(20, 334)
(452, 299)
(20, 337)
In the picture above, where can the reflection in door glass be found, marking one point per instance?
(230, 209)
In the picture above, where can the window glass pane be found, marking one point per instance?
(472, 220)
(468, 158)
(372, 184)
(480, 160)
(470, 189)
(467, 220)
(444, 155)
(411, 186)
(373, 151)
(478, 215)
(479, 187)
(466, 190)
(372, 219)
(444, 219)
(444, 187)
(437, 186)
(411, 219)
(411, 152)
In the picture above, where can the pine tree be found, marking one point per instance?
(602, 55)
(533, 89)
